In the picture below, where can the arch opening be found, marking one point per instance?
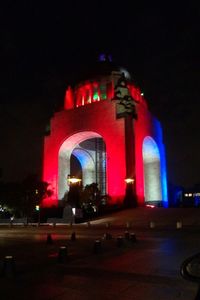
(152, 171)
(82, 155)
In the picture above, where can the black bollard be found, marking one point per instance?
(49, 239)
(97, 246)
(8, 269)
(128, 224)
(107, 236)
(132, 237)
(62, 254)
(127, 235)
(107, 224)
(119, 241)
(73, 236)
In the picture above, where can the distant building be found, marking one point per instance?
(191, 197)
(106, 134)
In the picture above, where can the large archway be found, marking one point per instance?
(90, 113)
(88, 148)
(152, 171)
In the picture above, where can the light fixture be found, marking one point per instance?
(73, 180)
(129, 180)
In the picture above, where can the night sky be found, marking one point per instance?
(45, 46)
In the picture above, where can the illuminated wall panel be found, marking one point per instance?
(152, 175)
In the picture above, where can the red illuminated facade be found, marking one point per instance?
(90, 112)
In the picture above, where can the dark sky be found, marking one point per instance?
(45, 46)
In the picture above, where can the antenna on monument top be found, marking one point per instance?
(105, 57)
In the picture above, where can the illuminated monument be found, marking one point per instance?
(106, 129)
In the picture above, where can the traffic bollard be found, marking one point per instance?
(62, 254)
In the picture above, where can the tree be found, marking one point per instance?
(22, 198)
(91, 194)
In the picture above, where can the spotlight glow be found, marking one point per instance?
(129, 180)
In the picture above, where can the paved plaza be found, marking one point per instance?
(49, 263)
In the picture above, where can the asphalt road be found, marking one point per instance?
(117, 269)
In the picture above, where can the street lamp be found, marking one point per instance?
(37, 208)
(74, 194)
(129, 200)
